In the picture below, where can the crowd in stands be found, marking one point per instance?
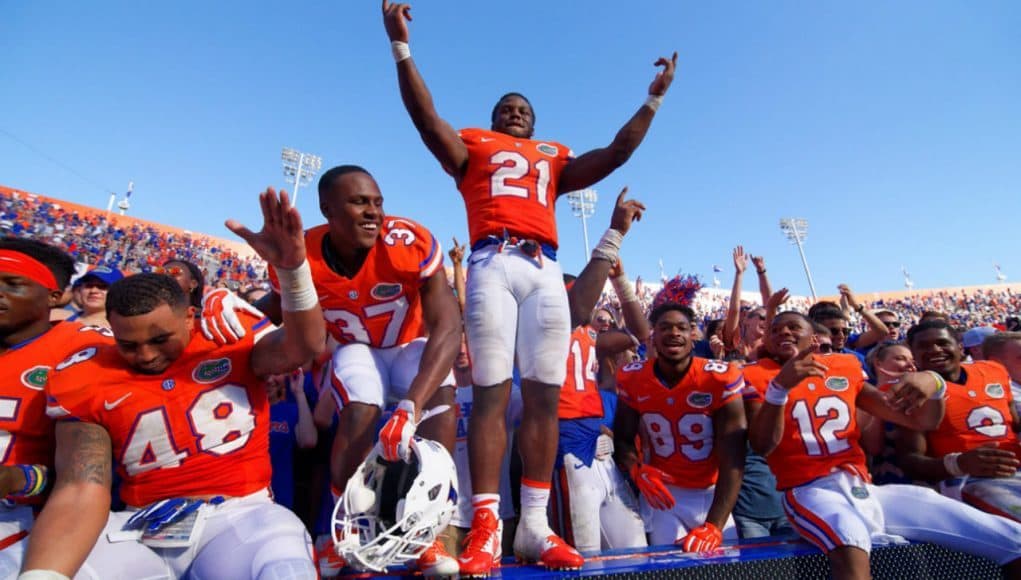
(96, 238)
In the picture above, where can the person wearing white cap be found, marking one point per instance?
(973, 339)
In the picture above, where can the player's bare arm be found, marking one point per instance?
(443, 319)
(269, 305)
(437, 134)
(77, 510)
(625, 427)
(460, 281)
(765, 289)
(588, 287)
(912, 453)
(766, 428)
(731, 334)
(281, 242)
(773, 304)
(631, 308)
(731, 433)
(877, 329)
(594, 165)
(916, 402)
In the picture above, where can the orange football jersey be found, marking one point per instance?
(677, 421)
(200, 428)
(26, 433)
(977, 412)
(820, 427)
(510, 185)
(380, 306)
(579, 397)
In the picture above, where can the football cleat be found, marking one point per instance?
(544, 547)
(482, 550)
(435, 561)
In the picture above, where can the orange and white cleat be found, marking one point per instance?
(435, 561)
(482, 551)
(543, 547)
(329, 562)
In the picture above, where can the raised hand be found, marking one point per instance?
(626, 211)
(661, 83)
(281, 242)
(740, 260)
(456, 252)
(799, 368)
(760, 263)
(777, 299)
(847, 295)
(395, 18)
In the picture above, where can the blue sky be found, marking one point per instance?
(894, 128)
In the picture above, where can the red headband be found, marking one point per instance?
(24, 265)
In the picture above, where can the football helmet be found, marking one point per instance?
(391, 512)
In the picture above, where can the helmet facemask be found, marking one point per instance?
(391, 512)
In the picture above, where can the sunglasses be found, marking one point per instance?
(604, 320)
(892, 324)
(844, 331)
(826, 348)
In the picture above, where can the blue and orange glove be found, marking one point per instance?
(704, 538)
(652, 484)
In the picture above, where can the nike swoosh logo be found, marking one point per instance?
(643, 399)
(111, 406)
(486, 139)
(579, 466)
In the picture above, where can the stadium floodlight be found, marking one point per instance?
(300, 168)
(796, 230)
(583, 205)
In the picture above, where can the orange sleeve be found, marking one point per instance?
(70, 389)
(732, 384)
(415, 251)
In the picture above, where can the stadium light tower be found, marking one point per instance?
(908, 283)
(583, 205)
(301, 168)
(796, 229)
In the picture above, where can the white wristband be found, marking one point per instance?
(41, 575)
(625, 291)
(400, 50)
(951, 465)
(776, 395)
(654, 101)
(608, 247)
(297, 291)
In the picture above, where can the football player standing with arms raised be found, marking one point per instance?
(516, 304)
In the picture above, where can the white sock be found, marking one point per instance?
(487, 501)
(534, 501)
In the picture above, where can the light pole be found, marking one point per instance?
(301, 168)
(908, 283)
(583, 205)
(796, 229)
